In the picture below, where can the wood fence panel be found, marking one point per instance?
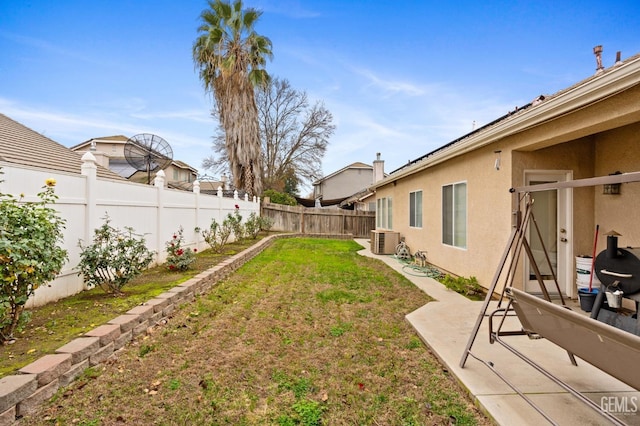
(319, 221)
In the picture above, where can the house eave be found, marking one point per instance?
(594, 89)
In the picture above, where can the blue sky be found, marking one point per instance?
(400, 77)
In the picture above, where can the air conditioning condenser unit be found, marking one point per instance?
(384, 242)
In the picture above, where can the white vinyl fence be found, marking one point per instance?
(152, 211)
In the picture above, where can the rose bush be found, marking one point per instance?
(29, 253)
(114, 258)
(217, 235)
(178, 257)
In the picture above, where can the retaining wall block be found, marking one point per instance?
(168, 310)
(101, 355)
(193, 285)
(140, 328)
(189, 298)
(121, 341)
(107, 333)
(181, 292)
(80, 348)
(169, 295)
(31, 403)
(15, 388)
(48, 368)
(158, 304)
(8, 417)
(144, 311)
(126, 322)
(73, 373)
(155, 318)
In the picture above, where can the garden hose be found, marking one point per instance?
(410, 268)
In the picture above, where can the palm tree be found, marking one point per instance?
(230, 57)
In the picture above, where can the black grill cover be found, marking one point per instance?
(623, 266)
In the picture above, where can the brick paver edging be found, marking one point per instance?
(35, 383)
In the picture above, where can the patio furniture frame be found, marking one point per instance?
(543, 319)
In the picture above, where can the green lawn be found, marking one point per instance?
(306, 333)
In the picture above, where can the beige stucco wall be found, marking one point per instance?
(593, 141)
(346, 183)
(488, 213)
(619, 151)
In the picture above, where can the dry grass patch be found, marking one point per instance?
(307, 333)
(57, 323)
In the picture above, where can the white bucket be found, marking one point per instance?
(583, 272)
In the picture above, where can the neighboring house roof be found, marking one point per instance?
(183, 165)
(308, 202)
(122, 167)
(356, 165)
(358, 197)
(21, 145)
(114, 139)
(609, 81)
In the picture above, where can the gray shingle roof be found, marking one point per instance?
(21, 145)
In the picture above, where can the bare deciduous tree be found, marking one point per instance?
(294, 137)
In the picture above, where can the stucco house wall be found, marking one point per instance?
(488, 218)
(344, 182)
(591, 129)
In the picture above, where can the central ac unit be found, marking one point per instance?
(384, 242)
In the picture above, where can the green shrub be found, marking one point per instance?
(265, 223)
(178, 257)
(217, 235)
(465, 286)
(114, 258)
(280, 197)
(235, 221)
(29, 253)
(252, 226)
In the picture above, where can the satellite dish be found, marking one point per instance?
(147, 152)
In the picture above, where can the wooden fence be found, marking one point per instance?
(319, 221)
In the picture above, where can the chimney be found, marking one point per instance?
(102, 159)
(378, 169)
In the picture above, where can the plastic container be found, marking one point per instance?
(583, 273)
(587, 298)
(614, 299)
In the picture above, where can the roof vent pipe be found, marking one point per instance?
(598, 52)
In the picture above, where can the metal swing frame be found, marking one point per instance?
(512, 252)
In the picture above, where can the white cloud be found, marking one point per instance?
(393, 86)
(197, 115)
(190, 142)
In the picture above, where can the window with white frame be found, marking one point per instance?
(454, 215)
(384, 213)
(415, 209)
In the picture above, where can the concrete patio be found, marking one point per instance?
(445, 326)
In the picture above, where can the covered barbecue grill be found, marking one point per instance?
(618, 269)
